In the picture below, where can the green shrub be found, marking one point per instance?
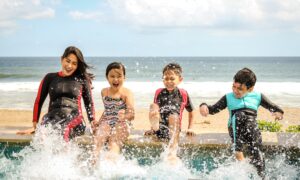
(293, 128)
(269, 126)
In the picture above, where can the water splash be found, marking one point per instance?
(49, 157)
(117, 167)
(235, 170)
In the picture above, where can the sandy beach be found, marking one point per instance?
(211, 124)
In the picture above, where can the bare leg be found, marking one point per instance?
(174, 138)
(239, 155)
(101, 136)
(119, 135)
(154, 116)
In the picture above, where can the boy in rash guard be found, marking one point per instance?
(166, 112)
(242, 104)
(66, 89)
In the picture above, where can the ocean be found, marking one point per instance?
(205, 78)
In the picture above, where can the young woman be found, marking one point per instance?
(66, 88)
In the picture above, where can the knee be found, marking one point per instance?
(154, 111)
(122, 129)
(154, 107)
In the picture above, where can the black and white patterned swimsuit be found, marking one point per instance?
(112, 107)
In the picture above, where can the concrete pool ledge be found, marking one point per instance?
(287, 140)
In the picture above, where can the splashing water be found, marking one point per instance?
(49, 157)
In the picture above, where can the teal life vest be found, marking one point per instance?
(250, 101)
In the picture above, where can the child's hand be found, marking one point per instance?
(278, 116)
(94, 125)
(190, 132)
(204, 110)
(121, 115)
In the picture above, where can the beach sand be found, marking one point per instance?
(18, 119)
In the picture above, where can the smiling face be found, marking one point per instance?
(69, 65)
(171, 80)
(240, 90)
(115, 78)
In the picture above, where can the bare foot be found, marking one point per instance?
(206, 122)
(92, 162)
(112, 157)
(190, 132)
(173, 159)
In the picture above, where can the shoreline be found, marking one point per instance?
(217, 123)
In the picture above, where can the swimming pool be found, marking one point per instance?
(54, 160)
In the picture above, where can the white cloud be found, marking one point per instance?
(78, 15)
(207, 13)
(289, 11)
(7, 27)
(186, 12)
(46, 13)
(13, 10)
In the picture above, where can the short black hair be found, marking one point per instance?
(115, 65)
(173, 67)
(245, 76)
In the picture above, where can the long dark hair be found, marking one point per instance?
(82, 66)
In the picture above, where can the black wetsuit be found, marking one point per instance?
(65, 103)
(171, 103)
(243, 128)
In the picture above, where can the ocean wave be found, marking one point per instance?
(195, 88)
(16, 76)
(21, 95)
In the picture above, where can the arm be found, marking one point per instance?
(129, 115)
(96, 123)
(38, 104)
(190, 131)
(190, 108)
(191, 120)
(273, 108)
(219, 106)
(88, 100)
(28, 131)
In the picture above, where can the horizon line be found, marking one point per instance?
(154, 56)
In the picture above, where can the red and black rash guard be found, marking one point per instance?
(172, 103)
(65, 102)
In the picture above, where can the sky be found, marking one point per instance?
(150, 27)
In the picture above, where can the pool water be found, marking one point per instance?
(51, 158)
